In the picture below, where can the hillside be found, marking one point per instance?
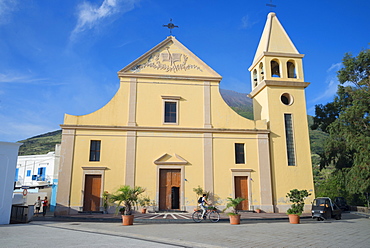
(241, 103)
(40, 144)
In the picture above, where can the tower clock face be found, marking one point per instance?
(286, 99)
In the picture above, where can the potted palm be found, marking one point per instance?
(128, 196)
(297, 197)
(233, 215)
(144, 202)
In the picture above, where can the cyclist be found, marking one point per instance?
(202, 206)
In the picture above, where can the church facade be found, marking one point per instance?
(168, 130)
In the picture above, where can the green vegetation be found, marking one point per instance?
(297, 198)
(41, 144)
(346, 120)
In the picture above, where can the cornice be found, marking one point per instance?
(163, 76)
(273, 83)
(166, 129)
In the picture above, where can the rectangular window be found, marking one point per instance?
(239, 153)
(95, 150)
(41, 174)
(28, 173)
(289, 139)
(170, 112)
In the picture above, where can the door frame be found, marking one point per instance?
(92, 171)
(182, 184)
(242, 173)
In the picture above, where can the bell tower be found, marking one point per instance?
(278, 93)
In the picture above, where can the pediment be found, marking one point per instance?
(167, 159)
(169, 59)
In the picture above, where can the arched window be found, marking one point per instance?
(291, 70)
(262, 76)
(255, 78)
(275, 70)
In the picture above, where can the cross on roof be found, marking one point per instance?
(271, 5)
(170, 26)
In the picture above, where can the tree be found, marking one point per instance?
(347, 121)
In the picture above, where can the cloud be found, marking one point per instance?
(90, 16)
(6, 78)
(6, 8)
(331, 83)
(246, 23)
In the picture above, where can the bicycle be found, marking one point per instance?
(212, 215)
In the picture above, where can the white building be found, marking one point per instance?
(39, 172)
(8, 158)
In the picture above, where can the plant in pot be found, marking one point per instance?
(128, 196)
(297, 197)
(144, 202)
(233, 215)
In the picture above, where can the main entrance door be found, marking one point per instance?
(169, 189)
(241, 190)
(92, 193)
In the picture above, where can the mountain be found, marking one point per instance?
(239, 102)
(40, 144)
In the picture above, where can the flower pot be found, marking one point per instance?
(294, 218)
(234, 219)
(127, 220)
(258, 210)
(143, 210)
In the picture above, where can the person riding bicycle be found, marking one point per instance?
(202, 206)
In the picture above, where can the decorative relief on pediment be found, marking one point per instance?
(168, 62)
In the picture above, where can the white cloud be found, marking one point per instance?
(331, 83)
(6, 8)
(90, 15)
(7, 78)
(246, 22)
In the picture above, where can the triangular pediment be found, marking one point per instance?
(167, 159)
(169, 59)
(274, 39)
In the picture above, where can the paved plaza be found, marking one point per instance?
(352, 231)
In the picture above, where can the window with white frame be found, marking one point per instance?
(171, 109)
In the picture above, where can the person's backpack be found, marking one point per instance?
(200, 200)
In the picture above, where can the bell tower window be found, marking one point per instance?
(255, 82)
(291, 70)
(262, 76)
(275, 69)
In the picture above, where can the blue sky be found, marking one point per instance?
(61, 57)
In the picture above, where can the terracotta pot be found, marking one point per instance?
(234, 219)
(127, 220)
(258, 211)
(143, 210)
(294, 219)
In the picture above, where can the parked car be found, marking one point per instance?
(324, 208)
(342, 204)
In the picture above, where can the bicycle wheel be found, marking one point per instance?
(197, 216)
(214, 216)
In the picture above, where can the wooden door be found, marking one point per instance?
(92, 193)
(241, 190)
(169, 189)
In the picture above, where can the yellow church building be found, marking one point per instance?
(168, 130)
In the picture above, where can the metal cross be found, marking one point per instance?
(271, 5)
(170, 26)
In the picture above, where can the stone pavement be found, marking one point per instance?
(172, 217)
(352, 231)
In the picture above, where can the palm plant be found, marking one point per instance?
(128, 196)
(233, 203)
